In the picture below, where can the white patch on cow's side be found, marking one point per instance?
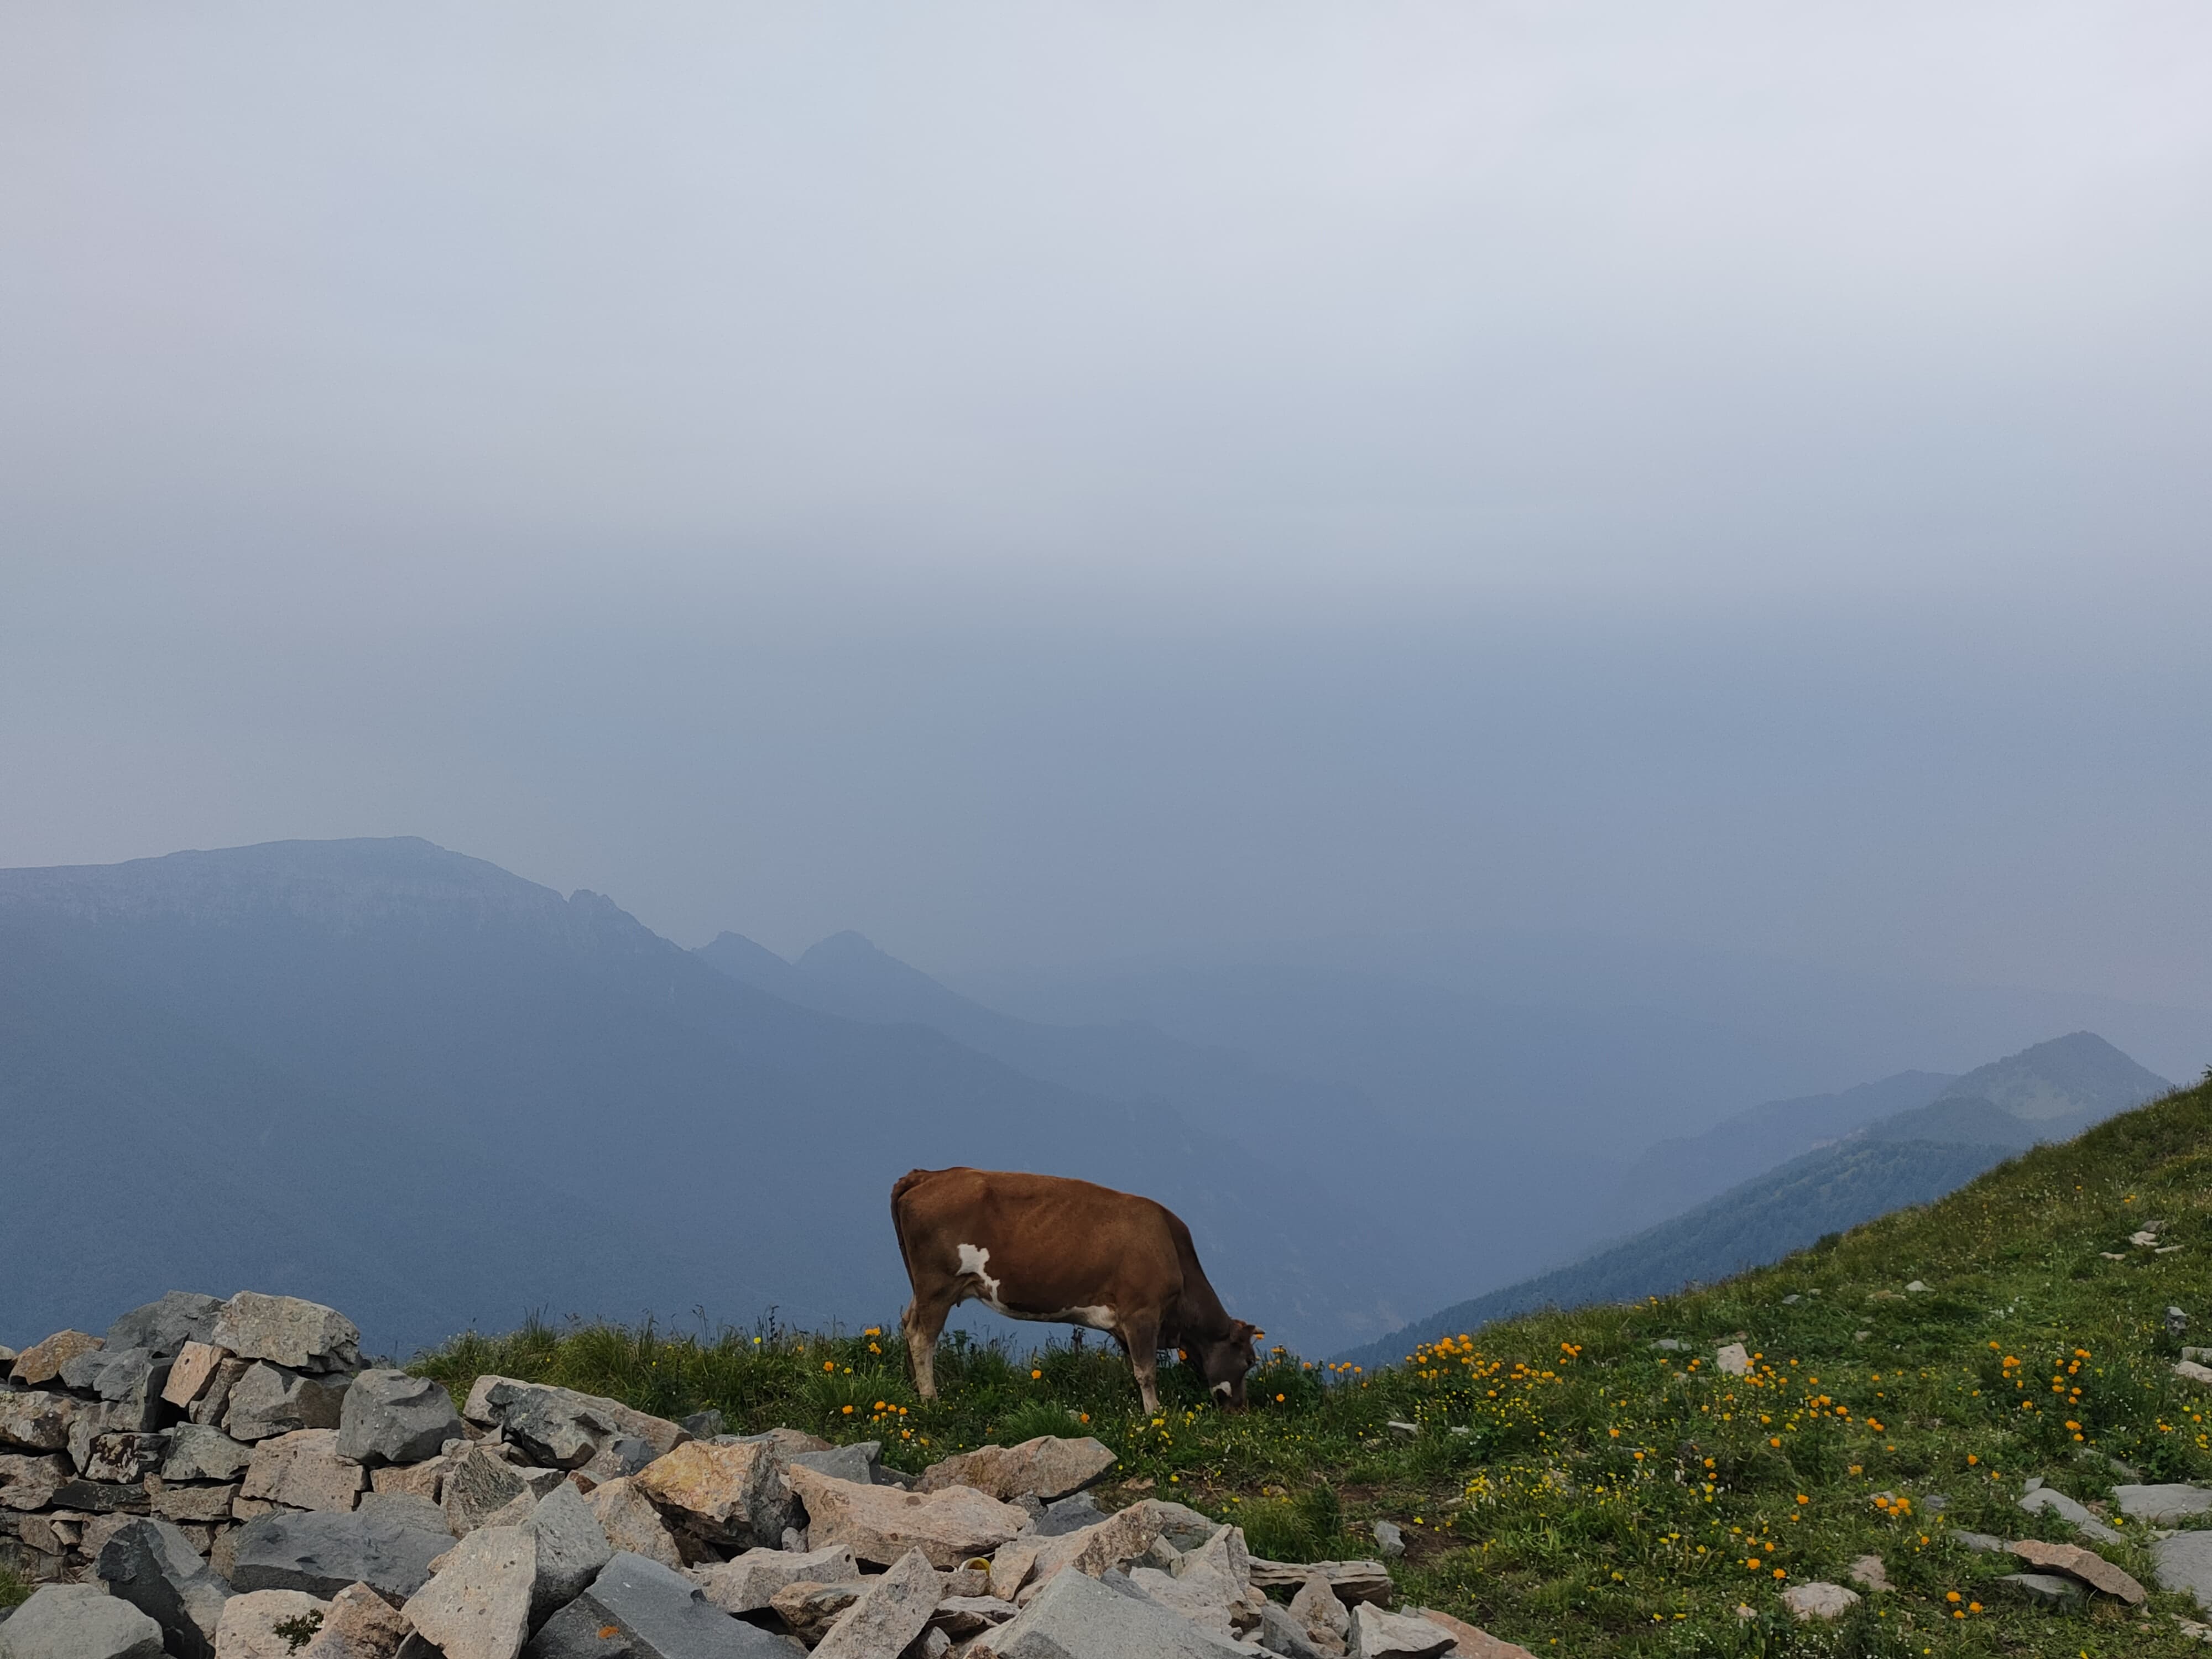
(974, 1259)
(1100, 1318)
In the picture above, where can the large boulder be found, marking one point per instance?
(749, 1583)
(1078, 1617)
(882, 1523)
(1046, 1469)
(302, 1470)
(892, 1611)
(477, 1606)
(388, 1545)
(36, 1421)
(655, 1613)
(79, 1621)
(166, 1326)
(572, 1549)
(716, 1492)
(269, 1400)
(389, 1417)
(300, 1336)
(562, 1428)
(152, 1565)
(42, 1362)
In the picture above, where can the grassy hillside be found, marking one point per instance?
(1574, 1488)
(1577, 1490)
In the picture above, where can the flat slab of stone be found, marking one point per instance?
(892, 1611)
(1982, 1543)
(477, 1606)
(748, 1582)
(384, 1546)
(2043, 1498)
(2163, 1506)
(882, 1523)
(654, 1614)
(2184, 1562)
(78, 1622)
(1078, 1617)
(2047, 1590)
(1733, 1359)
(389, 1417)
(1819, 1600)
(191, 1372)
(2090, 1568)
(198, 1452)
(1351, 1581)
(1046, 1468)
(284, 1330)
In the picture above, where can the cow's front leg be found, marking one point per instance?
(922, 1323)
(1141, 1337)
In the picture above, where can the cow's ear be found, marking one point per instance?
(1240, 1331)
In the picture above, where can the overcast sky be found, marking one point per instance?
(1039, 482)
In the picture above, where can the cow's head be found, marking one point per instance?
(1224, 1362)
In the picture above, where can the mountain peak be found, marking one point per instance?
(2080, 1072)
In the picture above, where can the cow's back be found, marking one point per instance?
(1048, 1241)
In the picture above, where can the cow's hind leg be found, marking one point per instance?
(922, 1323)
(1140, 1339)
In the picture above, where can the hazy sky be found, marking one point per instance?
(1039, 481)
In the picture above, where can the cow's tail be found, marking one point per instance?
(905, 1184)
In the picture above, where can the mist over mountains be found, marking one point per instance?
(246, 1065)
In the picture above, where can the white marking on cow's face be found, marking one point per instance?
(1222, 1389)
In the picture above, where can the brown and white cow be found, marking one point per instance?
(1047, 1248)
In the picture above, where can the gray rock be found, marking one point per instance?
(2162, 1506)
(749, 1583)
(2039, 1499)
(119, 1374)
(478, 1605)
(861, 1461)
(1818, 1600)
(891, 1612)
(2046, 1590)
(1669, 1344)
(2184, 1562)
(79, 1621)
(962, 1616)
(1390, 1542)
(1280, 1634)
(204, 1454)
(632, 1524)
(1068, 1515)
(269, 1400)
(560, 1428)
(101, 1498)
(1379, 1635)
(389, 1417)
(1049, 1467)
(384, 1546)
(572, 1550)
(37, 1421)
(212, 1404)
(42, 1362)
(302, 1470)
(166, 1326)
(1319, 1614)
(28, 1481)
(249, 1622)
(1982, 1543)
(656, 1613)
(623, 1455)
(704, 1426)
(196, 1504)
(407, 1508)
(481, 1486)
(1078, 1617)
(152, 1565)
(300, 1336)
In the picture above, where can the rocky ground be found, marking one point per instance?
(228, 1480)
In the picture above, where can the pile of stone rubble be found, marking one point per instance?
(228, 1480)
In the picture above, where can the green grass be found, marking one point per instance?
(1571, 1488)
(14, 1591)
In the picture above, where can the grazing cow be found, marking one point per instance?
(1046, 1248)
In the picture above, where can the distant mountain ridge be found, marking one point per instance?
(261, 1054)
(1910, 1157)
